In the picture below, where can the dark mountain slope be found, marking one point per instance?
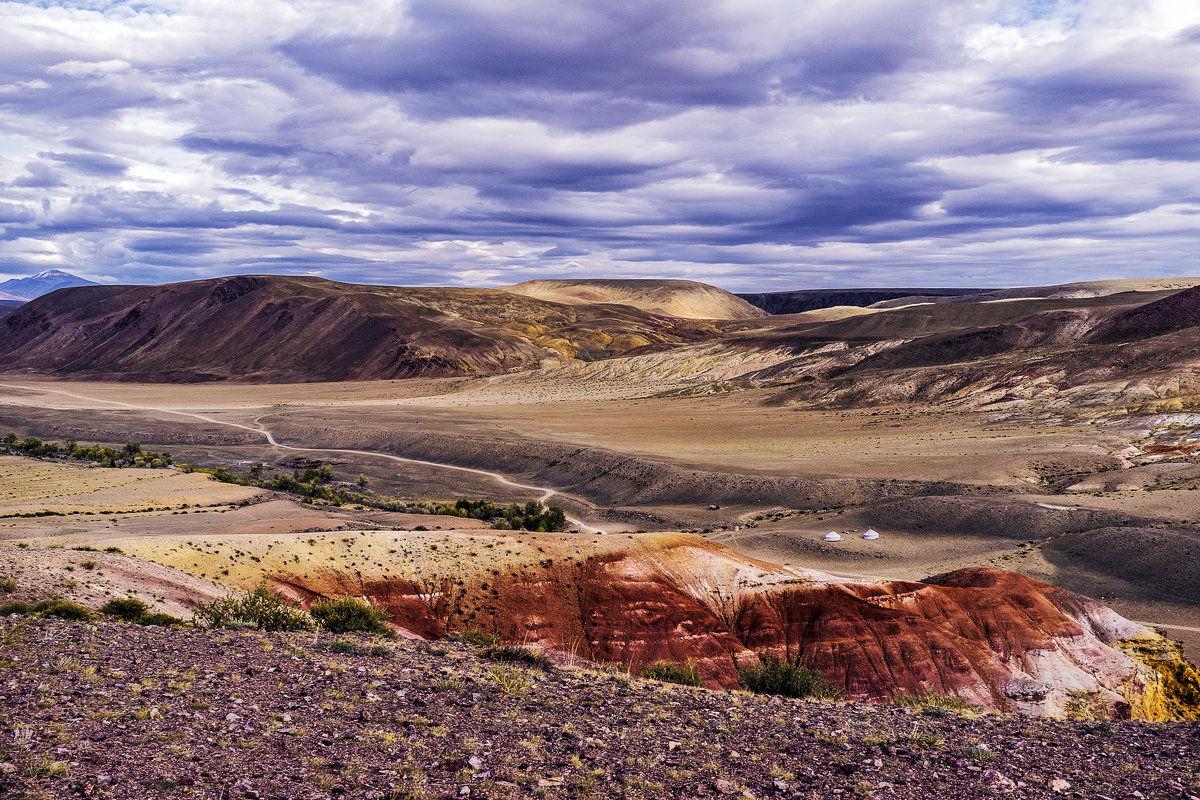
(285, 328)
(1172, 313)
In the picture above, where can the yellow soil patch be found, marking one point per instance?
(244, 560)
(28, 486)
(344, 561)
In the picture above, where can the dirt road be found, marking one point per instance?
(260, 429)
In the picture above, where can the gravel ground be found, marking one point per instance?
(109, 709)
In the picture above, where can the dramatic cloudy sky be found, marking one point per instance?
(754, 144)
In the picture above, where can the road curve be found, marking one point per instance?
(261, 430)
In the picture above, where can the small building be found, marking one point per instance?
(833, 536)
(871, 534)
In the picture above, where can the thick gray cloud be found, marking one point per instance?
(752, 144)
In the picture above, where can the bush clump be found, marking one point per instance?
(349, 614)
(15, 607)
(786, 680)
(672, 672)
(262, 609)
(8, 585)
(129, 609)
(516, 654)
(132, 609)
(64, 609)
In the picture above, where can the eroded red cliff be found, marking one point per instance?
(997, 639)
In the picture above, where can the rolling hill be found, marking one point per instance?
(686, 299)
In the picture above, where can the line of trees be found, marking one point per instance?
(533, 516)
(131, 455)
(314, 482)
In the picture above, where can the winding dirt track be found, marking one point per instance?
(260, 429)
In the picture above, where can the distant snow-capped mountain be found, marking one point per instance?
(40, 284)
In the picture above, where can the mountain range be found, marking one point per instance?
(44, 282)
(974, 349)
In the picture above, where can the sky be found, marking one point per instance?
(756, 145)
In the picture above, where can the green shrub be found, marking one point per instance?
(479, 638)
(63, 609)
(671, 672)
(262, 609)
(786, 680)
(8, 585)
(15, 607)
(517, 654)
(342, 646)
(165, 620)
(129, 609)
(348, 614)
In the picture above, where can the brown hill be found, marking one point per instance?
(287, 328)
(687, 299)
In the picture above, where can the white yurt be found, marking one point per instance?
(833, 536)
(871, 534)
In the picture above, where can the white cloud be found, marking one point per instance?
(453, 141)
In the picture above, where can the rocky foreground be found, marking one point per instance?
(117, 710)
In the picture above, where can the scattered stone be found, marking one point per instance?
(995, 779)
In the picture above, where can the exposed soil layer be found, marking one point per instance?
(121, 711)
(999, 639)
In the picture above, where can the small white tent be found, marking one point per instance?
(833, 536)
(871, 534)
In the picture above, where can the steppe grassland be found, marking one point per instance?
(28, 486)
